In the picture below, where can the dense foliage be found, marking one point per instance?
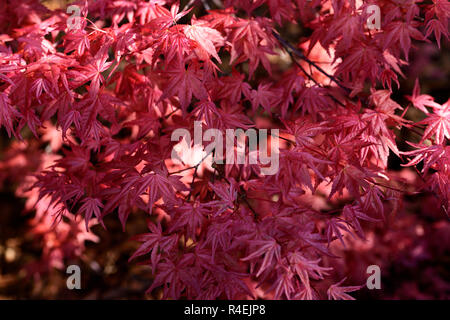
(90, 111)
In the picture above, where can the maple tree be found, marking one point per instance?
(91, 110)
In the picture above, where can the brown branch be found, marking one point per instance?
(301, 56)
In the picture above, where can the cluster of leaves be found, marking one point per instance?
(110, 93)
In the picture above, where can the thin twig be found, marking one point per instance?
(311, 78)
(301, 56)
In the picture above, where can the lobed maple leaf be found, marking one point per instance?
(421, 101)
(185, 83)
(438, 124)
(91, 206)
(336, 292)
(271, 251)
